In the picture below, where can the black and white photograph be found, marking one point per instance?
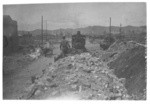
(74, 51)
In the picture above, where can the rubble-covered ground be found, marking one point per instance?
(116, 74)
(82, 75)
(90, 76)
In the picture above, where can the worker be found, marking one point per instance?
(78, 41)
(64, 46)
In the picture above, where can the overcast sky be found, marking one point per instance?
(76, 14)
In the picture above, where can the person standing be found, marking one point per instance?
(78, 41)
(64, 47)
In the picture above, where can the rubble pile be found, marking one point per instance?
(114, 51)
(81, 74)
(35, 54)
(121, 46)
(131, 65)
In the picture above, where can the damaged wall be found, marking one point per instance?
(10, 35)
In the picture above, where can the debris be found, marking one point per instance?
(36, 54)
(85, 75)
(131, 65)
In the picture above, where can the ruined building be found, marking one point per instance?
(10, 35)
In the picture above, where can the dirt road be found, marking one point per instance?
(15, 84)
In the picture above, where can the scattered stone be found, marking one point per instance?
(91, 78)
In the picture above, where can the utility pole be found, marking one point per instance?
(120, 29)
(110, 27)
(46, 31)
(42, 30)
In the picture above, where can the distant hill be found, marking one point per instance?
(90, 30)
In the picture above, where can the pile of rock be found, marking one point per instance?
(121, 46)
(35, 54)
(84, 75)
